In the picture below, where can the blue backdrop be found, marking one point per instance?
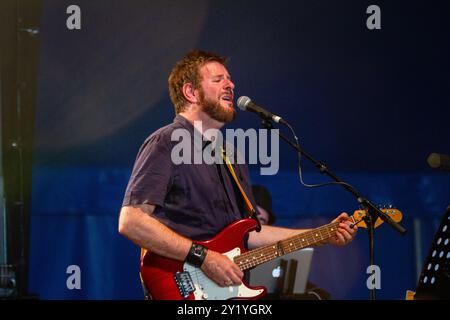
(371, 104)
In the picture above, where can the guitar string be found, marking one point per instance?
(271, 251)
(297, 239)
(268, 253)
(289, 245)
(269, 256)
(298, 242)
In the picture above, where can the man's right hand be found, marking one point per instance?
(221, 269)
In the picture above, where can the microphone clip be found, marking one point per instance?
(267, 123)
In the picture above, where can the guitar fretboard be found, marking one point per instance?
(309, 238)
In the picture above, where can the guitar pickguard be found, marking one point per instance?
(206, 289)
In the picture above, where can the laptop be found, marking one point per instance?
(277, 275)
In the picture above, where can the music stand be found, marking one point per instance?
(434, 281)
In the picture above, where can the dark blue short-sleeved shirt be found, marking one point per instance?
(195, 200)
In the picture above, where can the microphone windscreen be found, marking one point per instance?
(242, 102)
(434, 160)
(439, 161)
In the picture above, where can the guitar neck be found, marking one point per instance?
(309, 238)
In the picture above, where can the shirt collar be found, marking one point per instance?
(193, 131)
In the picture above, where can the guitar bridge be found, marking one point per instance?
(184, 283)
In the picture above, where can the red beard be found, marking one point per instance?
(214, 110)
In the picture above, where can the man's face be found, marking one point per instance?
(216, 92)
(263, 215)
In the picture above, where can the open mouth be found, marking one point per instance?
(228, 98)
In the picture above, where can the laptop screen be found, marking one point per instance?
(276, 274)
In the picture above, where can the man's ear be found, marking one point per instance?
(190, 93)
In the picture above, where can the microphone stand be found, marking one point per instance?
(373, 213)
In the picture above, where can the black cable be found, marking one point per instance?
(300, 173)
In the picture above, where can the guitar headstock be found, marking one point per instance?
(393, 213)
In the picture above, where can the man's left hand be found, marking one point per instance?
(344, 234)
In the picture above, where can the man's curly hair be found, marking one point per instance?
(187, 70)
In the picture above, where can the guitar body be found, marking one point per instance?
(168, 279)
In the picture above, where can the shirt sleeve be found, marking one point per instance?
(152, 174)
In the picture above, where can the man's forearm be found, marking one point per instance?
(270, 234)
(137, 224)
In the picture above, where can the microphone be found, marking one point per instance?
(439, 161)
(246, 104)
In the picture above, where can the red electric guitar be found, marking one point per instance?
(168, 279)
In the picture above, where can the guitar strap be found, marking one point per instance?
(144, 288)
(250, 209)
